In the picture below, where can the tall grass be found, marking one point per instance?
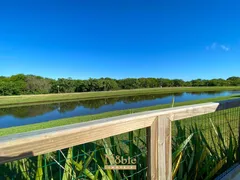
(84, 161)
(198, 153)
(212, 148)
(202, 158)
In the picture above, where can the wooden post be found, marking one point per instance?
(159, 149)
(164, 148)
(152, 151)
(18, 146)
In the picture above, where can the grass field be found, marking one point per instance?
(213, 148)
(78, 119)
(31, 99)
(202, 147)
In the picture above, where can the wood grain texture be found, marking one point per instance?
(164, 148)
(38, 142)
(152, 150)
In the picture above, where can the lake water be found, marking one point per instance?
(17, 116)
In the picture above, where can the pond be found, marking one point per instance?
(18, 116)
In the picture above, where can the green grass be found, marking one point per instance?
(31, 99)
(84, 161)
(213, 148)
(78, 119)
(201, 149)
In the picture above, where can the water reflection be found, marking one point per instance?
(16, 116)
(36, 110)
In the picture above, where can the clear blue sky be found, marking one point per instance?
(120, 38)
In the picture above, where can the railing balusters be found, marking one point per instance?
(158, 124)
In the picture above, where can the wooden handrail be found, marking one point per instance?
(158, 122)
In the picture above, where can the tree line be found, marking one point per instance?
(31, 84)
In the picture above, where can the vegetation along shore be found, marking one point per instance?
(44, 98)
(66, 121)
(30, 84)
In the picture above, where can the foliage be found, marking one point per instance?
(194, 156)
(82, 162)
(31, 84)
(199, 156)
(23, 112)
(37, 85)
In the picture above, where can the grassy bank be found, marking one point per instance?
(78, 119)
(203, 151)
(31, 99)
(202, 147)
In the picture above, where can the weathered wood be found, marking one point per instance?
(164, 148)
(152, 150)
(23, 145)
(13, 148)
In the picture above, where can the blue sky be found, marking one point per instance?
(120, 38)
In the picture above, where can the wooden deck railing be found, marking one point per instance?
(158, 124)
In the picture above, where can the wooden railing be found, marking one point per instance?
(158, 124)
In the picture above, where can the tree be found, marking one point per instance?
(165, 82)
(64, 85)
(31, 84)
(198, 82)
(107, 84)
(81, 86)
(128, 83)
(178, 82)
(217, 82)
(37, 84)
(234, 81)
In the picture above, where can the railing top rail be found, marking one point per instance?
(33, 143)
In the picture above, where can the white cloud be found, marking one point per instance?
(215, 46)
(225, 48)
